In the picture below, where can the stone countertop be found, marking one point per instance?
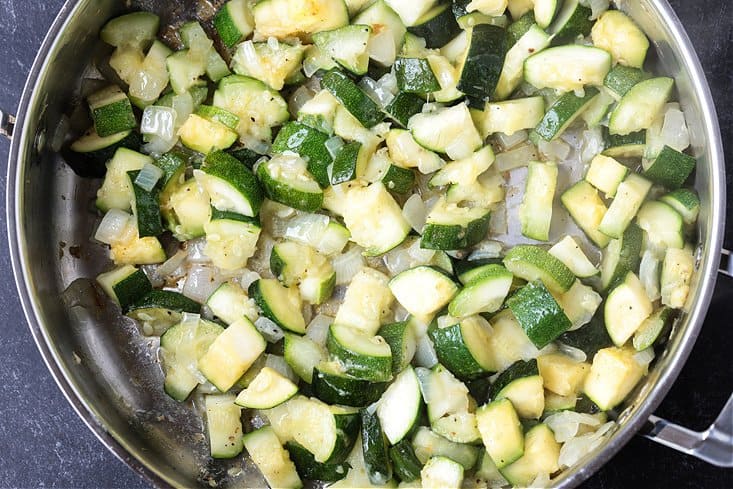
(44, 444)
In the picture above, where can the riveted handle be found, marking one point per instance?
(7, 124)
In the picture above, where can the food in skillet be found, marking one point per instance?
(433, 244)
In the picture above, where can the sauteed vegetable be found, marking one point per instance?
(422, 243)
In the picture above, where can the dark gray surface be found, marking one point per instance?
(44, 444)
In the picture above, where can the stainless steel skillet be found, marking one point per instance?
(108, 372)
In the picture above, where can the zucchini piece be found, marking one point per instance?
(482, 66)
(271, 63)
(640, 106)
(441, 472)
(522, 385)
(231, 239)
(555, 403)
(621, 256)
(534, 263)
(450, 227)
(464, 171)
(217, 114)
(125, 285)
(677, 270)
(402, 341)
(615, 32)
(437, 26)
(541, 456)
(561, 114)
(596, 112)
(205, 135)
(626, 309)
(590, 338)
(629, 197)
(310, 144)
(347, 46)
(686, 202)
(544, 12)
(375, 448)
(405, 151)
(535, 212)
(258, 107)
(286, 179)
(363, 357)
(295, 264)
(374, 219)
(403, 107)
(428, 444)
(116, 191)
(627, 146)
(654, 328)
(346, 163)
(381, 168)
(561, 374)
(268, 454)
(444, 394)
(234, 22)
(332, 386)
(303, 355)
(606, 174)
(580, 303)
(621, 79)
(358, 103)
(404, 461)
(181, 347)
(308, 468)
(613, 374)
(400, 406)
(670, 168)
(512, 116)
(92, 152)
(158, 310)
(448, 130)
(186, 67)
(414, 75)
(231, 354)
(287, 18)
(464, 348)
(458, 427)
(468, 270)
(585, 206)
(133, 29)
(319, 112)
(386, 26)
(412, 11)
(231, 185)
(186, 209)
(569, 252)
(567, 68)
(229, 302)
(138, 251)
(663, 225)
(267, 390)
(501, 432)
(533, 40)
(278, 303)
(145, 207)
(224, 425)
(538, 312)
(423, 290)
(573, 21)
(484, 293)
(366, 301)
(111, 111)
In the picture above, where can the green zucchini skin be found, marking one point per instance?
(406, 464)
(517, 370)
(376, 449)
(484, 62)
(538, 313)
(149, 220)
(93, 164)
(345, 390)
(309, 143)
(309, 468)
(353, 98)
(589, 338)
(404, 106)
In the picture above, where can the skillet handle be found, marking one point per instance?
(714, 445)
(7, 124)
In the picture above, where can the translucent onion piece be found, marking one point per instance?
(200, 283)
(415, 212)
(516, 158)
(382, 47)
(425, 355)
(157, 146)
(183, 105)
(148, 177)
(565, 424)
(278, 364)
(486, 249)
(171, 265)
(509, 142)
(674, 130)
(195, 249)
(576, 448)
(116, 226)
(575, 353)
(347, 265)
(644, 357)
(557, 150)
(317, 330)
(649, 271)
(299, 98)
(269, 330)
(597, 7)
(334, 145)
(248, 278)
(591, 144)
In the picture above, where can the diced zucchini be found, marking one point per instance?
(406, 152)
(533, 263)
(268, 454)
(278, 303)
(538, 312)
(569, 252)
(561, 114)
(363, 356)
(423, 290)
(229, 302)
(268, 389)
(640, 106)
(125, 285)
(621, 79)
(534, 40)
(522, 385)
(535, 212)
(358, 103)
(224, 425)
(663, 225)
(234, 22)
(332, 386)
(653, 328)
(511, 116)
(399, 408)
(484, 293)
(449, 130)
(95, 151)
(626, 308)
(367, 300)
(567, 68)
(629, 197)
(375, 448)
(300, 265)
(186, 209)
(231, 239)
(464, 171)
(686, 202)
(231, 185)
(606, 174)
(464, 347)
(626, 146)
(428, 444)
(309, 468)
(111, 111)
(116, 191)
(286, 180)
(271, 63)
(437, 26)
(319, 112)
(158, 310)
(414, 75)
(286, 18)
(580, 303)
(145, 207)
(404, 461)
(132, 29)
(483, 62)
(388, 32)
(589, 338)
(670, 168)
(450, 227)
(403, 107)
(615, 32)
(573, 21)
(677, 270)
(382, 168)
(501, 432)
(541, 456)
(587, 210)
(612, 376)
(441, 472)
(561, 374)
(303, 355)
(402, 341)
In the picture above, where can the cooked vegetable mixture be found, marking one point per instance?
(431, 244)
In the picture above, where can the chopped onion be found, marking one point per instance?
(159, 121)
(382, 47)
(317, 330)
(542, 480)
(116, 226)
(172, 264)
(557, 150)
(273, 43)
(200, 283)
(334, 145)
(148, 177)
(447, 321)
(576, 448)
(674, 130)
(644, 357)
(425, 355)
(157, 146)
(278, 364)
(575, 353)
(415, 212)
(649, 271)
(516, 158)
(509, 142)
(402, 258)
(184, 106)
(306, 228)
(565, 424)
(400, 313)
(486, 249)
(195, 249)
(388, 83)
(347, 265)
(248, 278)
(597, 7)
(299, 98)
(269, 330)
(591, 144)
